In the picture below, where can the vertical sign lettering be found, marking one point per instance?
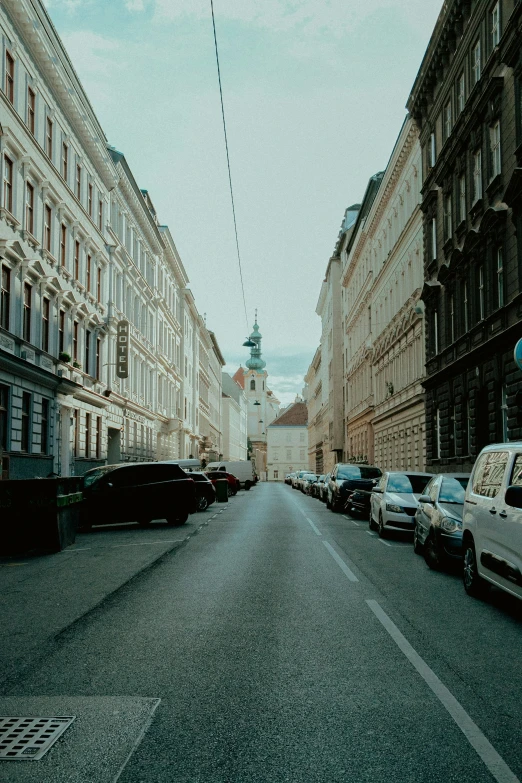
(122, 349)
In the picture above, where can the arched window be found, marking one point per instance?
(252, 385)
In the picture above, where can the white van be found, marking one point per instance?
(186, 464)
(492, 521)
(241, 469)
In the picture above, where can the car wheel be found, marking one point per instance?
(248, 484)
(178, 520)
(202, 504)
(229, 491)
(371, 523)
(381, 528)
(417, 546)
(473, 583)
(432, 554)
(328, 506)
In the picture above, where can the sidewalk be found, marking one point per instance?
(41, 596)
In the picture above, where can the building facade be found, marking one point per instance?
(287, 442)
(82, 253)
(466, 102)
(234, 419)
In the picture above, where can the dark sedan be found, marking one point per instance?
(205, 491)
(438, 519)
(346, 478)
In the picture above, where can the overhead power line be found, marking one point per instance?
(228, 164)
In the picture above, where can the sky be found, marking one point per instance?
(314, 95)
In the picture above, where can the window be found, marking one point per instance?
(276, 474)
(465, 305)
(448, 230)
(436, 439)
(452, 318)
(447, 117)
(65, 161)
(76, 260)
(31, 109)
(75, 340)
(49, 138)
(433, 238)
(87, 351)
(461, 93)
(468, 427)
(288, 454)
(500, 277)
(63, 245)
(100, 214)
(435, 332)
(453, 431)
(98, 436)
(98, 284)
(78, 182)
(26, 421)
(482, 310)
(46, 315)
(477, 176)
(28, 291)
(9, 76)
(98, 355)
(87, 434)
(488, 473)
(47, 227)
(29, 207)
(61, 331)
(462, 198)
(4, 416)
(44, 427)
(5, 297)
(475, 62)
(433, 151)
(8, 183)
(89, 199)
(88, 276)
(252, 385)
(504, 411)
(76, 432)
(495, 25)
(496, 162)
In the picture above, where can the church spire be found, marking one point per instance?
(256, 362)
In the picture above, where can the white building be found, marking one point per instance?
(287, 442)
(234, 419)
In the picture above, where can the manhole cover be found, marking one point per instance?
(30, 738)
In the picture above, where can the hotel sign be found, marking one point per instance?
(122, 349)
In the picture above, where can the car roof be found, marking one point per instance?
(455, 475)
(408, 473)
(516, 444)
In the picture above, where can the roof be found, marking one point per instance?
(294, 416)
(239, 377)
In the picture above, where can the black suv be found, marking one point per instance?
(345, 478)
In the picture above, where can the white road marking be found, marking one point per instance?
(493, 761)
(340, 562)
(314, 528)
(146, 543)
(358, 524)
(385, 542)
(370, 533)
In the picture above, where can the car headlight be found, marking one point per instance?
(450, 525)
(394, 508)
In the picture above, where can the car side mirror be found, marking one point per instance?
(425, 499)
(109, 484)
(514, 497)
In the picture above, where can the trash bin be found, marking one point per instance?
(39, 514)
(222, 491)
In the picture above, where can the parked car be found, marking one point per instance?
(492, 521)
(394, 501)
(323, 488)
(345, 478)
(307, 482)
(243, 469)
(316, 487)
(358, 503)
(438, 519)
(288, 478)
(205, 491)
(233, 482)
(137, 492)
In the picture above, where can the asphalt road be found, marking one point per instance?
(287, 643)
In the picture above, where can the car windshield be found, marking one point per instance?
(94, 475)
(453, 490)
(358, 472)
(407, 483)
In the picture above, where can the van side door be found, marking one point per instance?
(485, 503)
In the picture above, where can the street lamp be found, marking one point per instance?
(249, 343)
(257, 402)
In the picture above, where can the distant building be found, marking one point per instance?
(287, 442)
(234, 419)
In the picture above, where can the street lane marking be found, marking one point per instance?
(493, 761)
(340, 562)
(369, 533)
(385, 542)
(147, 543)
(358, 524)
(314, 528)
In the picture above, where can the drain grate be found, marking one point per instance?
(30, 738)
